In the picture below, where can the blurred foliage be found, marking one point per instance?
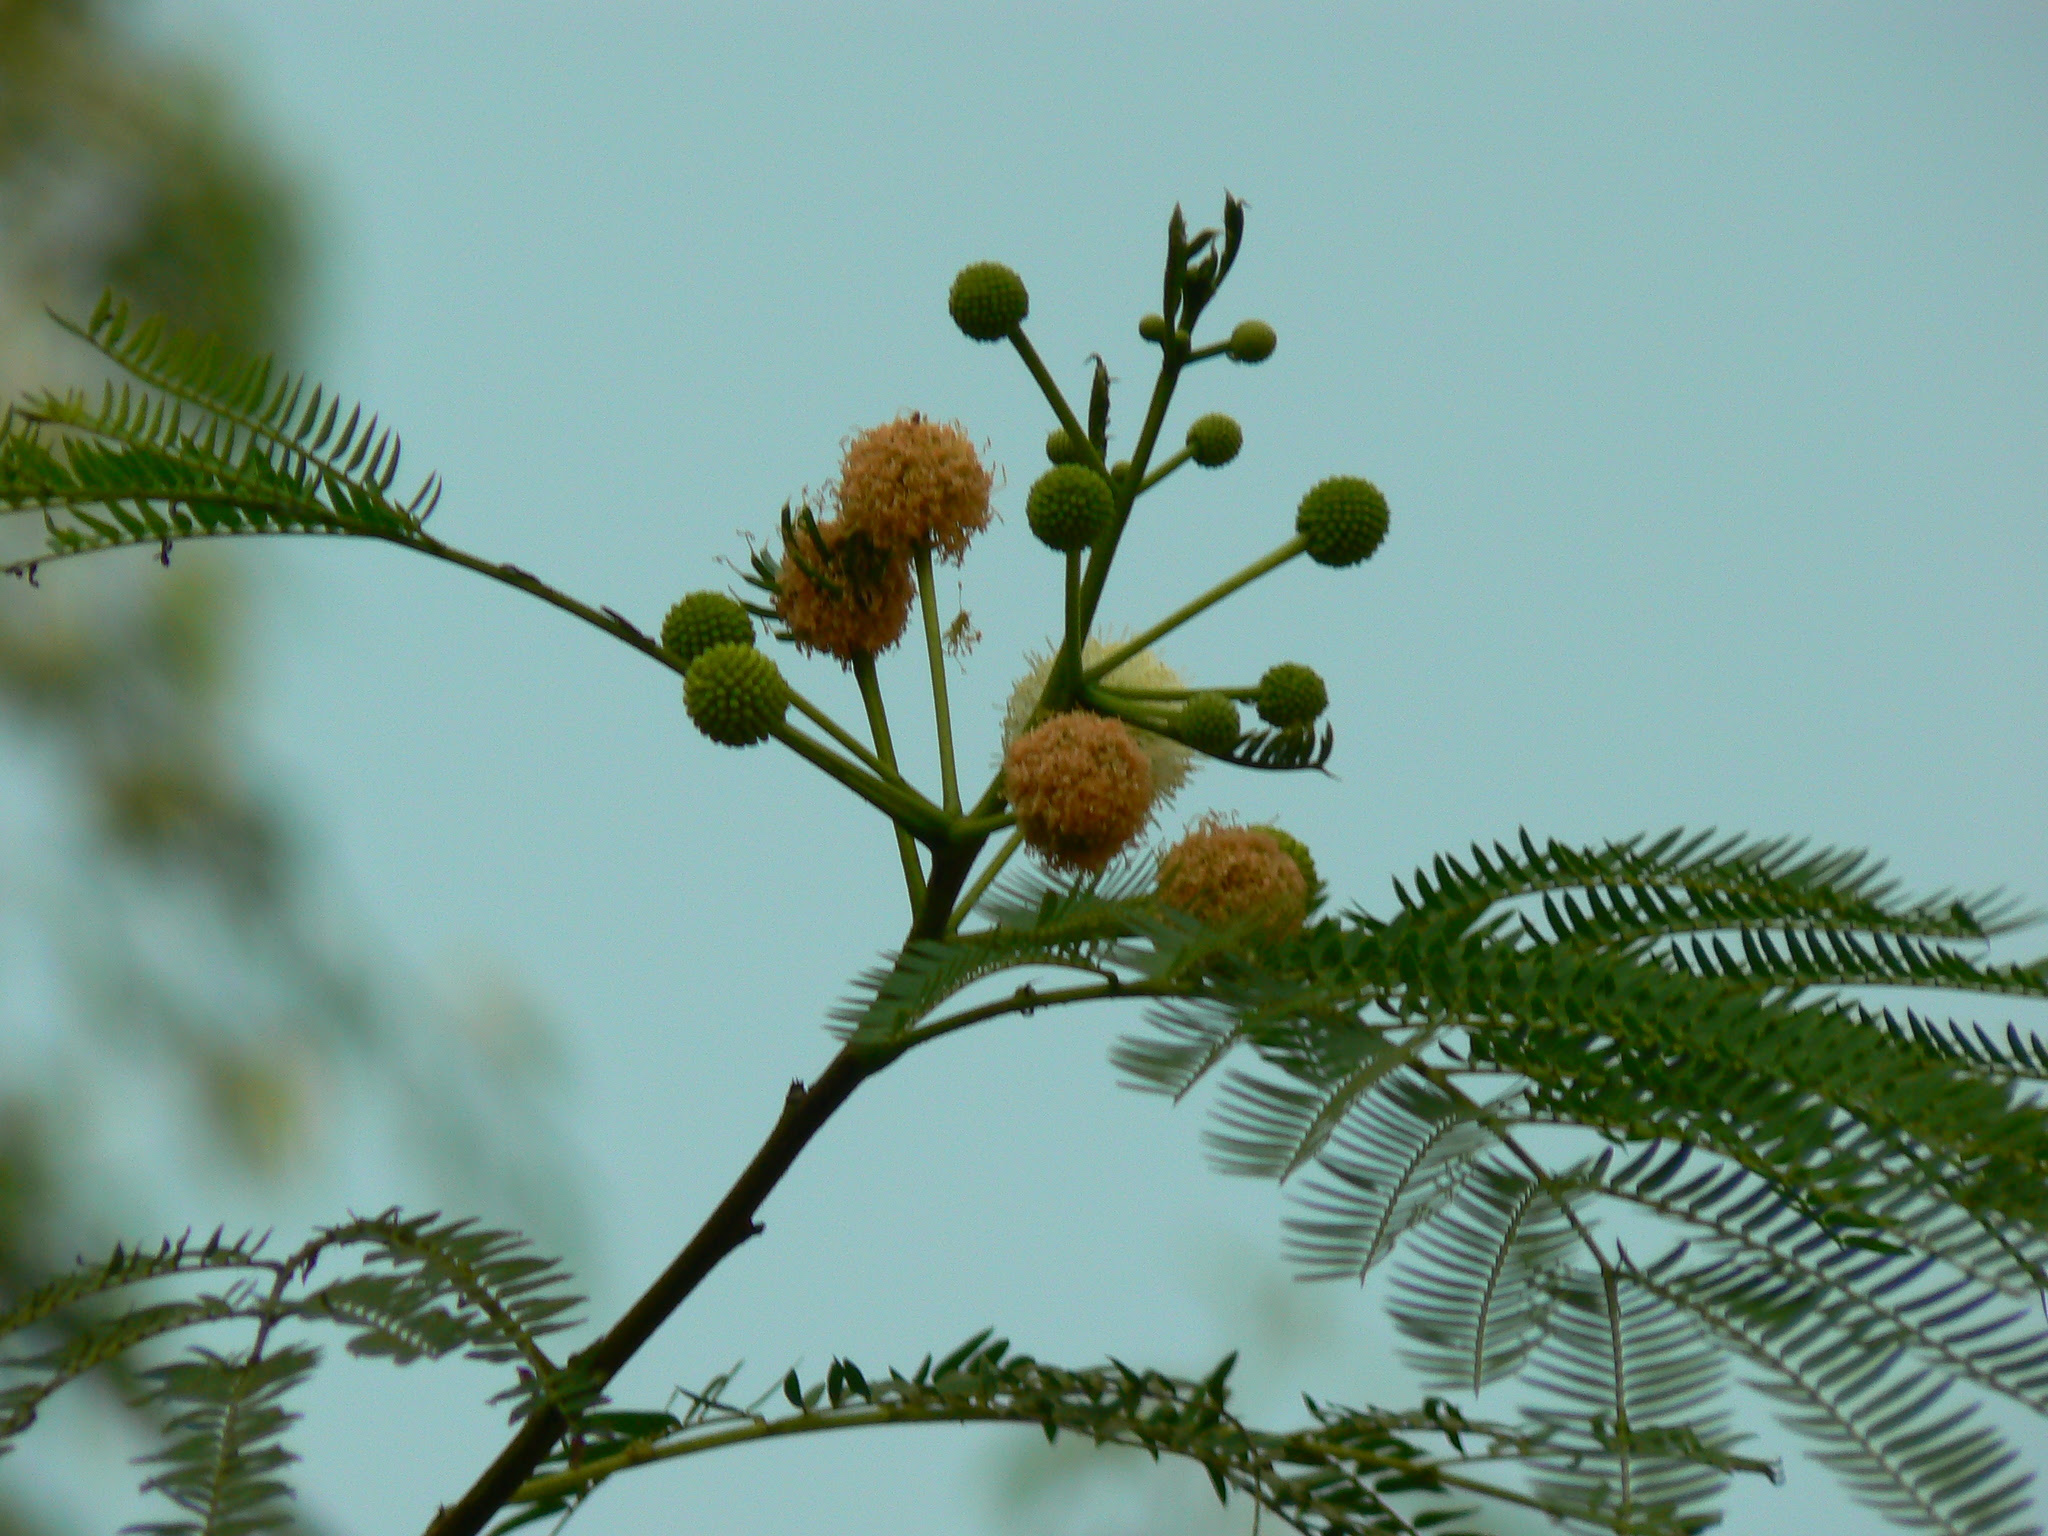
(122, 168)
(165, 940)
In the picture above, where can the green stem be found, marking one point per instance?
(905, 807)
(1055, 399)
(1155, 413)
(1104, 551)
(1028, 999)
(983, 826)
(928, 600)
(1163, 471)
(883, 767)
(984, 880)
(878, 722)
(1186, 611)
(992, 799)
(1131, 714)
(1160, 695)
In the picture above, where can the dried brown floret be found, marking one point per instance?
(914, 482)
(1223, 874)
(846, 599)
(1081, 789)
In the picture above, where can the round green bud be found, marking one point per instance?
(1152, 328)
(735, 694)
(1252, 342)
(1069, 506)
(988, 301)
(1213, 440)
(1296, 850)
(1343, 520)
(1061, 448)
(702, 620)
(1120, 470)
(1291, 695)
(1208, 722)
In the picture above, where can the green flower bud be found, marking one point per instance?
(1343, 519)
(1213, 440)
(1069, 506)
(735, 694)
(988, 301)
(1209, 723)
(1296, 850)
(1252, 342)
(1062, 449)
(1291, 695)
(702, 620)
(1153, 328)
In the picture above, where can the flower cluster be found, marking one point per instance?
(1170, 762)
(913, 482)
(1099, 733)
(1223, 874)
(1080, 787)
(839, 593)
(908, 486)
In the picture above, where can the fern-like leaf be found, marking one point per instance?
(126, 1267)
(1625, 1381)
(207, 447)
(1848, 1385)
(221, 1466)
(1471, 1292)
(98, 1342)
(1186, 1040)
(1088, 927)
(1397, 1158)
(431, 1286)
(1930, 1298)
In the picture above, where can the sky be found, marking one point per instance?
(1698, 351)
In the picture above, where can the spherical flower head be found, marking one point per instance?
(1342, 520)
(702, 620)
(1060, 447)
(1213, 440)
(735, 695)
(988, 301)
(1291, 695)
(913, 483)
(1222, 875)
(1069, 506)
(1252, 342)
(1081, 789)
(1209, 723)
(1171, 763)
(863, 604)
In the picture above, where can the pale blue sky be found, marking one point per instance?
(1699, 350)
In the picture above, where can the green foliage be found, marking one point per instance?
(1473, 1290)
(214, 446)
(422, 1288)
(1849, 1190)
(1346, 1473)
(1848, 1199)
(225, 1434)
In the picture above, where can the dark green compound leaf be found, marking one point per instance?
(222, 1462)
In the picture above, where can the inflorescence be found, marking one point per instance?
(1099, 733)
